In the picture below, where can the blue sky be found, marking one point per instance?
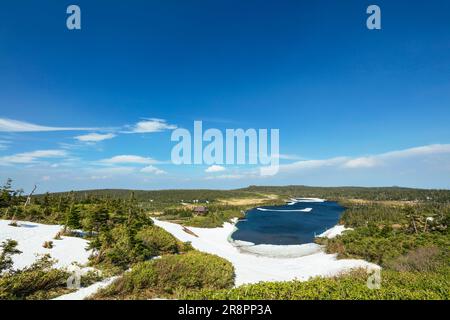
(354, 106)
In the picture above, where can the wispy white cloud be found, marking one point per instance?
(313, 164)
(31, 157)
(236, 173)
(95, 137)
(385, 158)
(118, 170)
(363, 162)
(153, 170)
(128, 159)
(288, 157)
(96, 177)
(151, 125)
(111, 171)
(4, 144)
(227, 177)
(371, 161)
(10, 125)
(215, 168)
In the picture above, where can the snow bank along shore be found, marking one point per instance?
(268, 262)
(333, 232)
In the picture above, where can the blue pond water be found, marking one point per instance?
(286, 228)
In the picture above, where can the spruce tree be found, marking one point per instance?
(73, 218)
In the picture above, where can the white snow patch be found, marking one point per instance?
(281, 210)
(31, 236)
(84, 293)
(333, 232)
(251, 268)
(294, 200)
(278, 251)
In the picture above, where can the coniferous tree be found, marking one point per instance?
(46, 205)
(73, 218)
(8, 249)
(6, 194)
(97, 218)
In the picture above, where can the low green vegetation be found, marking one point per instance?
(411, 243)
(360, 214)
(215, 217)
(382, 234)
(382, 245)
(352, 286)
(170, 275)
(38, 281)
(160, 241)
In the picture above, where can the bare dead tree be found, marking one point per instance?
(27, 202)
(414, 225)
(29, 197)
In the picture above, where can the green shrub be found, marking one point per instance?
(73, 218)
(9, 248)
(38, 281)
(158, 240)
(119, 248)
(193, 270)
(123, 246)
(171, 274)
